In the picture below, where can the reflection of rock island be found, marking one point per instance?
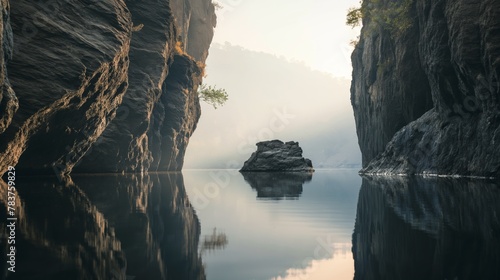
(107, 227)
(427, 229)
(277, 185)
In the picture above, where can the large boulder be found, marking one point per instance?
(275, 155)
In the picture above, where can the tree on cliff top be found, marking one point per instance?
(393, 16)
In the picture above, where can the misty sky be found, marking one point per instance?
(269, 55)
(313, 31)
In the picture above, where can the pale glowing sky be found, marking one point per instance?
(312, 31)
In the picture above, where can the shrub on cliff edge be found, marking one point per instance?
(393, 16)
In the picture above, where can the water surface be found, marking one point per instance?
(220, 224)
(278, 225)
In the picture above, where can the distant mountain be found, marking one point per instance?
(272, 98)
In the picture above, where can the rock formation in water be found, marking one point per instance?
(275, 155)
(100, 86)
(425, 87)
(425, 228)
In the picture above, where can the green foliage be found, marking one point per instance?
(212, 95)
(354, 17)
(390, 15)
(397, 16)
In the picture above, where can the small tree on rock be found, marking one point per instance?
(212, 95)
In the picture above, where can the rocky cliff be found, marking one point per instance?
(8, 100)
(425, 87)
(100, 86)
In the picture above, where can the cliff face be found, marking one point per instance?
(8, 99)
(101, 86)
(69, 74)
(425, 87)
(196, 20)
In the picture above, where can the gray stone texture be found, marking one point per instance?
(426, 100)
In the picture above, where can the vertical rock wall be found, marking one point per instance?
(389, 88)
(100, 86)
(426, 97)
(161, 108)
(8, 99)
(195, 20)
(69, 71)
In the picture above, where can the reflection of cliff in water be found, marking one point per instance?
(108, 227)
(277, 185)
(427, 229)
(60, 235)
(214, 241)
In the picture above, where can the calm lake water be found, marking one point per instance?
(220, 224)
(278, 226)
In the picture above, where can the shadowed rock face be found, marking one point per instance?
(101, 85)
(275, 155)
(8, 99)
(277, 185)
(69, 70)
(427, 229)
(426, 98)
